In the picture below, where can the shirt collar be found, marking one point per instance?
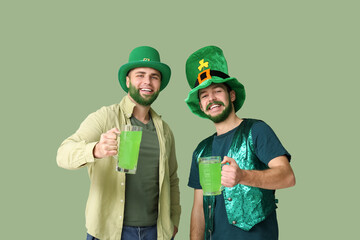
(127, 106)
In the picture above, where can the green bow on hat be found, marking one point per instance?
(204, 67)
(144, 56)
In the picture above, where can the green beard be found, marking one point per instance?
(135, 94)
(222, 116)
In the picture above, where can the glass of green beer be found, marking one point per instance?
(129, 146)
(210, 175)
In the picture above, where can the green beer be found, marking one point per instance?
(210, 175)
(129, 149)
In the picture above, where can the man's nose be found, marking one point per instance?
(147, 79)
(212, 97)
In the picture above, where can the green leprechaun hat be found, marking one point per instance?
(144, 56)
(204, 67)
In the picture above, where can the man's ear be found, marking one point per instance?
(232, 95)
(127, 81)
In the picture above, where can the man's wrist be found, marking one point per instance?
(90, 152)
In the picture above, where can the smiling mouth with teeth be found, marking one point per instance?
(146, 90)
(214, 106)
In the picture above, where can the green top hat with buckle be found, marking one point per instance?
(204, 67)
(144, 56)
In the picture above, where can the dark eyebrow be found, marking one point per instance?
(223, 88)
(152, 74)
(201, 92)
(156, 74)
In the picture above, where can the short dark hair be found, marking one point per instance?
(228, 89)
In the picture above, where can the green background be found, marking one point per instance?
(299, 62)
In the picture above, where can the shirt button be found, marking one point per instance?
(234, 222)
(121, 200)
(229, 199)
(120, 217)
(122, 184)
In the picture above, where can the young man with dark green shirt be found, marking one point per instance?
(254, 161)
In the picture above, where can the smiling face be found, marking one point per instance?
(144, 85)
(216, 102)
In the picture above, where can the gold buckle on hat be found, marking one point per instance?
(202, 78)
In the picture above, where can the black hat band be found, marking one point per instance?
(208, 74)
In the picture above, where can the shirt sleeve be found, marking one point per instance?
(194, 181)
(77, 150)
(267, 144)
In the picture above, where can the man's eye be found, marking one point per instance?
(203, 96)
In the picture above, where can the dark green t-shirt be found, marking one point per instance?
(142, 188)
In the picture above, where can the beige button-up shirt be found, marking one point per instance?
(106, 201)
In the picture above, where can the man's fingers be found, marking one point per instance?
(114, 130)
(228, 180)
(110, 142)
(111, 134)
(226, 160)
(110, 147)
(225, 181)
(111, 153)
(229, 160)
(229, 165)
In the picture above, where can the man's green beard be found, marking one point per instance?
(135, 94)
(222, 116)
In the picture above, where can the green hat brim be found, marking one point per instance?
(193, 99)
(161, 67)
